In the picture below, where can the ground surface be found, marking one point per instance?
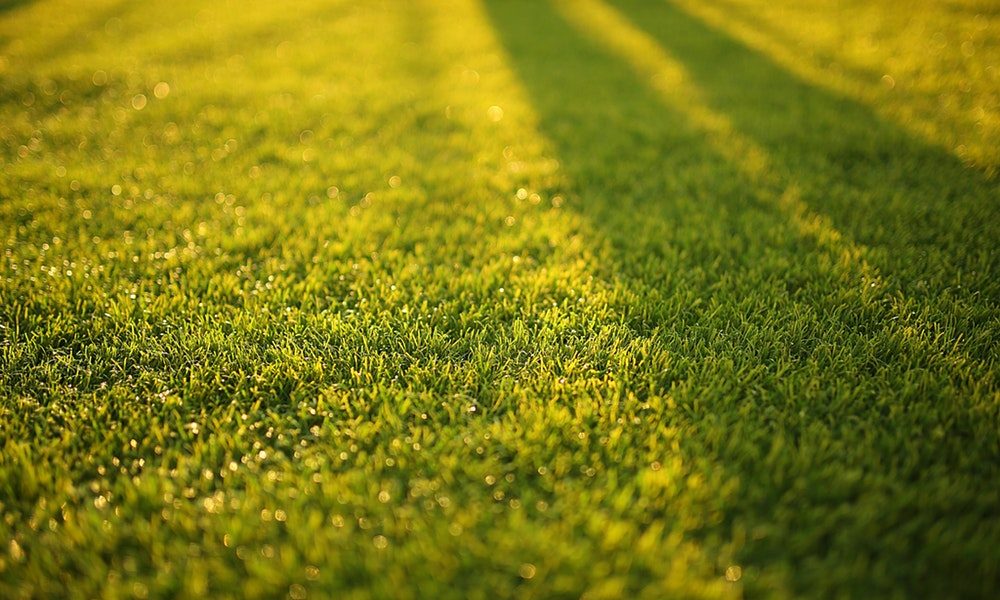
(426, 299)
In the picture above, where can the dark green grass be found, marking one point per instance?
(579, 350)
(830, 413)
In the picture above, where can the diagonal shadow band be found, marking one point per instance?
(930, 104)
(904, 282)
(690, 198)
(773, 173)
(928, 221)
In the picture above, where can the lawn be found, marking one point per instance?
(499, 298)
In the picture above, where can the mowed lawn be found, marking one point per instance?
(486, 298)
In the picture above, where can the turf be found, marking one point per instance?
(499, 299)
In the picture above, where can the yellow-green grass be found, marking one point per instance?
(499, 299)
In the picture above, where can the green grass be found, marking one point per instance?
(493, 299)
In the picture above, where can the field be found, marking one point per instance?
(488, 299)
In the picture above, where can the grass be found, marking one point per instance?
(497, 299)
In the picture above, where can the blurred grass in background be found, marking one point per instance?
(491, 299)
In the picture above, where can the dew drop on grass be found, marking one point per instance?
(734, 573)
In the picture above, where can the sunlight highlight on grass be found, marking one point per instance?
(529, 164)
(934, 72)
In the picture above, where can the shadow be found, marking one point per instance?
(785, 374)
(930, 223)
(786, 40)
